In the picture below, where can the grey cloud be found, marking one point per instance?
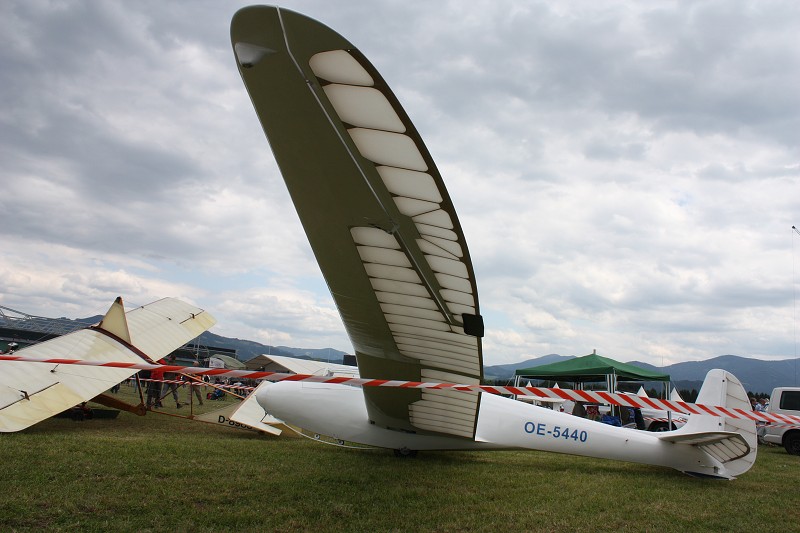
(606, 160)
(609, 151)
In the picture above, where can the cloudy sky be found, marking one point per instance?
(627, 174)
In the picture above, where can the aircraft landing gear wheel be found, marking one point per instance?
(405, 452)
(792, 444)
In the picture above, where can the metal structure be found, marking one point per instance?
(30, 329)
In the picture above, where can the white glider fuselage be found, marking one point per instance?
(339, 411)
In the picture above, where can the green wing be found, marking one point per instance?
(376, 212)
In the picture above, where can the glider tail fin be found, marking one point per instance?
(723, 388)
(731, 442)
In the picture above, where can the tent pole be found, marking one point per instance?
(669, 415)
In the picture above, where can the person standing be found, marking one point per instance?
(171, 387)
(154, 387)
(194, 387)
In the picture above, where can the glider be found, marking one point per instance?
(31, 392)
(386, 236)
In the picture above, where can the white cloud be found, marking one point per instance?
(625, 173)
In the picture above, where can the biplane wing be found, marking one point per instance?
(31, 392)
(376, 213)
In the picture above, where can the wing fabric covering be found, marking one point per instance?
(376, 213)
(32, 392)
(722, 446)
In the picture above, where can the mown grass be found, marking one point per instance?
(157, 473)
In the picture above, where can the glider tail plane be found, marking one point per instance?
(731, 442)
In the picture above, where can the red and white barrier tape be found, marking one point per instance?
(197, 384)
(627, 400)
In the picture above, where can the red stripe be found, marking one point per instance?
(706, 409)
(783, 418)
(584, 394)
(212, 372)
(608, 397)
(688, 407)
(748, 414)
(341, 379)
(537, 392)
(633, 401)
(649, 402)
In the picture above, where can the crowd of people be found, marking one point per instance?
(157, 385)
(759, 405)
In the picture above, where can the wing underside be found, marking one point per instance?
(376, 213)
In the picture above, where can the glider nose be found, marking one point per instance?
(276, 398)
(263, 395)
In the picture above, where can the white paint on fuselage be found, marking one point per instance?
(517, 425)
(339, 411)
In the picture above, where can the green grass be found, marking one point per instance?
(158, 473)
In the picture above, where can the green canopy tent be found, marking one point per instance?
(590, 368)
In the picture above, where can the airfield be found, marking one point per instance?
(162, 473)
(394, 257)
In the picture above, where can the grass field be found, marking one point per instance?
(159, 473)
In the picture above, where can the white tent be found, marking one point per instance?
(293, 365)
(225, 361)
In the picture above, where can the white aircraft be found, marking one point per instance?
(391, 249)
(249, 414)
(31, 392)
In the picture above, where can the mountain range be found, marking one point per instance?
(246, 350)
(757, 375)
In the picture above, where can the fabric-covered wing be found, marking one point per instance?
(32, 392)
(376, 212)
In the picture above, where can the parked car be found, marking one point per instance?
(654, 419)
(784, 401)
